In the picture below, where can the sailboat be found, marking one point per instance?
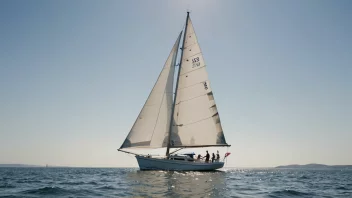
(186, 117)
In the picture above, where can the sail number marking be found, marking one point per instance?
(205, 85)
(195, 62)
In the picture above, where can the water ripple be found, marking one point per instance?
(130, 182)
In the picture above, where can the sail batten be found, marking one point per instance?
(151, 126)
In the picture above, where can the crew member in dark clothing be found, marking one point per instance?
(213, 158)
(207, 156)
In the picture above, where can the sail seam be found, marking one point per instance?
(156, 122)
(191, 44)
(196, 121)
(192, 70)
(196, 40)
(193, 55)
(190, 85)
(191, 98)
(191, 33)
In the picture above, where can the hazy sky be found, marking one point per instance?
(75, 74)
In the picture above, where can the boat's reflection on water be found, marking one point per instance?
(176, 184)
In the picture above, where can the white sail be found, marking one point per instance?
(196, 119)
(152, 125)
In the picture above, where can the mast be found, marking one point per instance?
(178, 77)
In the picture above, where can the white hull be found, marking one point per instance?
(146, 163)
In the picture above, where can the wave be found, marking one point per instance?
(56, 191)
(341, 188)
(48, 191)
(107, 188)
(304, 177)
(106, 180)
(78, 182)
(93, 183)
(282, 193)
(72, 183)
(28, 181)
(7, 186)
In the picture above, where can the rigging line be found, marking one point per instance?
(191, 98)
(127, 152)
(192, 85)
(176, 151)
(196, 121)
(193, 70)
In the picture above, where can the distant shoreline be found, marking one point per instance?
(19, 165)
(50, 166)
(313, 166)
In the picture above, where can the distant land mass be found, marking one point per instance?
(19, 165)
(315, 166)
(30, 165)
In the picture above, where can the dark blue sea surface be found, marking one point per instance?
(130, 182)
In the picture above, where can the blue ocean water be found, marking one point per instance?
(130, 182)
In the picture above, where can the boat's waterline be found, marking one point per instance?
(146, 163)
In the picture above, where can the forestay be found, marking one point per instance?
(151, 127)
(196, 118)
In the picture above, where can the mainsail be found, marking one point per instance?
(192, 118)
(196, 118)
(152, 124)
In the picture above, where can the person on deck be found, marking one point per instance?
(207, 156)
(199, 156)
(218, 157)
(213, 158)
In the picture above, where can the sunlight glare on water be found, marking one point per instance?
(130, 182)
